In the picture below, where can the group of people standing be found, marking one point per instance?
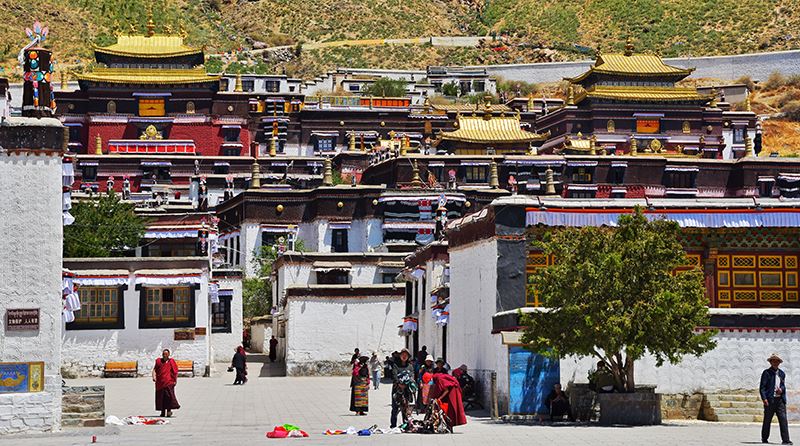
(416, 382)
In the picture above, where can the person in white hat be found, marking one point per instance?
(773, 394)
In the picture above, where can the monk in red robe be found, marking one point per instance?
(446, 390)
(165, 375)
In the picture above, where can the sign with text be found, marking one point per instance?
(22, 319)
(184, 334)
(200, 331)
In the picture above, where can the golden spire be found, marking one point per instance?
(98, 145)
(634, 148)
(351, 142)
(571, 95)
(181, 29)
(748, 145)
(63, 80)
(714, 94)
(238, 86)
(115, 29)
(747, 105)
(629, 46)
(168, 29)
(592, 145)
(416, 181)
(151, 26)
(273, 146)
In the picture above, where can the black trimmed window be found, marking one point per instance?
(248, 85)
(616, 174)
(89, 173)
(101, 308)
(324, 144)
(476, 174)
(738, 135)
(221, 313)
(272, 86)
(231, 134)
(166, 306)
(339, 240)
(335, 277)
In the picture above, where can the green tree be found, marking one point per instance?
(104, 226)
(613, 293)
(451, 89)
(387, 88)
(257, 290)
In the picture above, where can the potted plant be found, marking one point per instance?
(617, 294)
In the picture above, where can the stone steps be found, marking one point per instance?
(743, 406)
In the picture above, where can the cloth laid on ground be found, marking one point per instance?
(286, 431)
(363, 432)
(135, 420)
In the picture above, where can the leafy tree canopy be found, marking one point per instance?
(104, 226)
(257, 290)
(613, 293)
(387, 88)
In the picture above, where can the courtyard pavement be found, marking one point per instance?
(214, 412)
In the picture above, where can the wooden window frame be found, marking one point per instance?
(225, 301)
(144, 323)
(118, 324)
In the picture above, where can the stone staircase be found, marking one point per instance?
(734, 406)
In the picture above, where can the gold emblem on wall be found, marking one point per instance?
(111, 107)
(686, 127)
(190, 108)
(151, 132)
(610, 126)
(655, 145)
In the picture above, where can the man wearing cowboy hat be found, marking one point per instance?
(773, 394)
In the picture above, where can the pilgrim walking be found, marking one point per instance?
(359, 387)
(773, 395)
(165, 375)
(239, 363)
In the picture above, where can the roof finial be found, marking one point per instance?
(181, 30)
(598, 52)
(747, 105)
(571, 95)
(629, 46)
(714, 95)
(151, 26)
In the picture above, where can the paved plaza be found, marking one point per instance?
(215, 412)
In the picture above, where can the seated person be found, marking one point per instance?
(558, 404)
(603, 378)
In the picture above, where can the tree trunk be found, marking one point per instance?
(630, 385)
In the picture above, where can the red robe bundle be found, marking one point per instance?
(455, 405)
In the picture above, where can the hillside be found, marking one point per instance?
(568, 29)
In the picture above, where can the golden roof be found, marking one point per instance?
(469, 108)
(489, 129)
(636, 65)
(660, 94)
(147, 76)
(148, 46)
(578, 144)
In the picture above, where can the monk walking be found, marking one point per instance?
(165, 375)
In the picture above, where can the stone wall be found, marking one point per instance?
(83, 406)
(758, 66)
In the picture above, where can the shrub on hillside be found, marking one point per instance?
(774, 81)
(748, 81)
(792, 110)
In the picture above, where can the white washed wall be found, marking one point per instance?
(30, 277)
(328, 329)
(224, 344)
(473, 301)
(86, 351)
(249, 240)
(736, 363)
